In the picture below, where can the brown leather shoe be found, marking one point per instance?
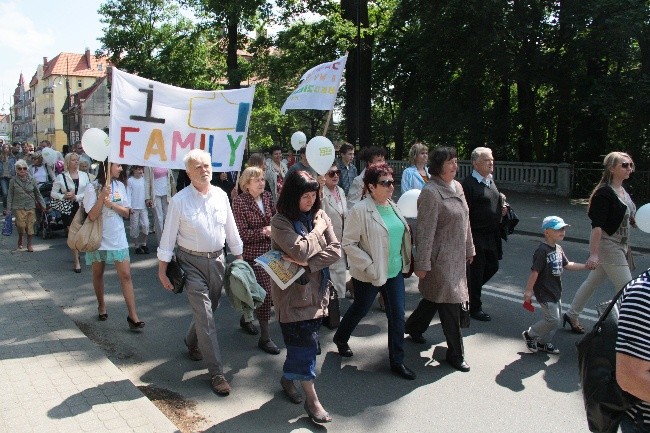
(220, 384)
(268, 346)
(193, 352)
(248, 327)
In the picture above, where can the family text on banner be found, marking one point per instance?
(156, 124)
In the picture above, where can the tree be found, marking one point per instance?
(152, 39)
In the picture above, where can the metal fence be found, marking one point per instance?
(586, 175)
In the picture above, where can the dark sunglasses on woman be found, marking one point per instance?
(333, 173)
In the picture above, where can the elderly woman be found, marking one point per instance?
(377, 242)
(304, 233)
(112, 205)
(415, 176)
(336, 207)
(39, 170)
(253, 210)
(71, 185)
(7, 171)
(22, 201)
(444, 244)
(611, 211)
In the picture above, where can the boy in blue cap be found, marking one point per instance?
(544, 281)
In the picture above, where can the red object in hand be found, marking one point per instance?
(529, 306)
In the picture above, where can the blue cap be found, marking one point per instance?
(553, 222)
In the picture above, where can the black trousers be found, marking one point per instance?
(483, 267)
(419, 321)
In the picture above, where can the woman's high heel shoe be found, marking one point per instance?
(576, 327)
(322, 419)
(134, 326)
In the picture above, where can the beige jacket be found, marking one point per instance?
(300, 302)
(365, 241)
(328, 202)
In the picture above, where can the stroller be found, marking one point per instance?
(49, 220)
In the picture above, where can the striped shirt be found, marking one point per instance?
(634, 329)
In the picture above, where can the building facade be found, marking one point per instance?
(51, 86)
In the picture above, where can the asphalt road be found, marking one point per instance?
(508, 388)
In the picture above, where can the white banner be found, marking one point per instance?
(318, 87)
(155, 124)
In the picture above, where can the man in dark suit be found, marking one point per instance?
(486, 208)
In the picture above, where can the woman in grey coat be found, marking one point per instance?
(443, 245)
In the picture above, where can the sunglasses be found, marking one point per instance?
(386, 183)
(627, 164)
(21, 168)
(333, 173)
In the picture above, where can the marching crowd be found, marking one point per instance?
(331, 224)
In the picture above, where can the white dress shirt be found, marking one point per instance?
(486, 180)
(200, 223)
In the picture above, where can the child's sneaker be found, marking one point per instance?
(531, 343)
(548, 348)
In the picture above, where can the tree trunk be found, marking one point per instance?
(234, 76)
(562, 148)
(358, 77)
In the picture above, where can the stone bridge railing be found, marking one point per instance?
(552, 179)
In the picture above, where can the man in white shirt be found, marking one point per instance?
(200, 221)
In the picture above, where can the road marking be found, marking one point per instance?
(509, 295)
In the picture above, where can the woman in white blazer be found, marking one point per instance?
(70, 185)
(334, 204)
(377, 243)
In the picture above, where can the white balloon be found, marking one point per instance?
(642, 218)
(49, 155)
(298, 140)
(320, 154)
(408, 203)
(95, 143)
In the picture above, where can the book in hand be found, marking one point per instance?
(283, 272)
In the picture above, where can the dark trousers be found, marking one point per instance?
(420, 319)
(364, 296)
(483, 267)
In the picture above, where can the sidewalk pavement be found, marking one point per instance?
(55, 379)
(531, 210)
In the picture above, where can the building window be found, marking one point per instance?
(79, 84)
(100, 67)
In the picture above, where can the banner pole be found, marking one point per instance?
(327, 122)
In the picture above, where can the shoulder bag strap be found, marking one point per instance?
(65, 182)
(610, 306)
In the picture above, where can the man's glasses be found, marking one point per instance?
(386, 183)
(21, 168)
(333, 173)
(627, 165)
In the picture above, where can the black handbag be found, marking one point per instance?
(334, 319)
(605, 401)
(62, 205)
(176, 275)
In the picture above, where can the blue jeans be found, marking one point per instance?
(364, 296)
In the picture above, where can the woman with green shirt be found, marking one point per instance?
(377, 242)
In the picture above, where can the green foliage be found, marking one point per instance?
(550, 81)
